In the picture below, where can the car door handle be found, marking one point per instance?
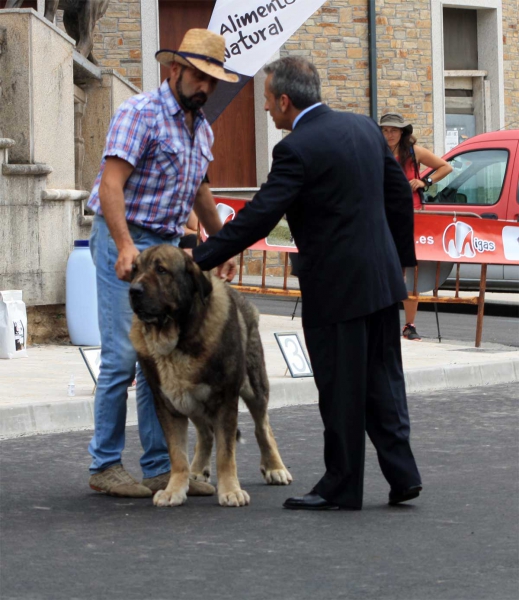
(489, 215)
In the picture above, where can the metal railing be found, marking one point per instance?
(283, 290)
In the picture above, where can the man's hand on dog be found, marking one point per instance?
(225, 271)
(125, 260)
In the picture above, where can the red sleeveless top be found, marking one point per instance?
(410, 173)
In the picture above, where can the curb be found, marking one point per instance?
(33, 419)
(430, 379)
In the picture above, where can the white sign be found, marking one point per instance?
(511, 242)
(255, 29)
(92, 358)
(294, 355)
(451, 139)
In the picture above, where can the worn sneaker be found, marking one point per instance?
(410, 333)
(115, 481)
(196, 488)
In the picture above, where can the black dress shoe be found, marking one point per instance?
(397, 496)
(311, 501)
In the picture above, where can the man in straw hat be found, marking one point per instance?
(349, 208)
(152, 175)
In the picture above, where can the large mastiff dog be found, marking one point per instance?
(199, 347)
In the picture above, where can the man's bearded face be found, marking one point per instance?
(193, 101)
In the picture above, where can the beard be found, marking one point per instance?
(192, 103)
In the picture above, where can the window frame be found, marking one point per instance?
(452, 158)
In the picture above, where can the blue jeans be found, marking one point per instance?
(118, 359)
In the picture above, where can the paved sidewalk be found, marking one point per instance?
(34, 390)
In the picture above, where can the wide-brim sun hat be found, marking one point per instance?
(203, 50)
(393, 119)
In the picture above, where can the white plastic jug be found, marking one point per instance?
(81, 294)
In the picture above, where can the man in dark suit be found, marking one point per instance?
(350, 210)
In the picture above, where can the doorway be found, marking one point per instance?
(234, 150)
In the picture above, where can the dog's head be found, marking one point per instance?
(166, 285)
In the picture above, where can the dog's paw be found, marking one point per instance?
(205, 475)
(235, 498)
(276, 476)
(165, 498)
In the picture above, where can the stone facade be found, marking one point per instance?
(404, 48)
(336, 40)
(43, 131)
(117, 39)
(253, 263)
(511, 62)
(41, 142)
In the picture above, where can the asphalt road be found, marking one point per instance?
(458, 541)
(454, 326)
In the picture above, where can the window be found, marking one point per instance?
(460, 38)
(477, 179)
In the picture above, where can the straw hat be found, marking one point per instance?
(392, 119)
(203, 50)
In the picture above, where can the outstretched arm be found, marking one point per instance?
(261, 215)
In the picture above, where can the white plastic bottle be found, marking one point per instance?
(81, 292)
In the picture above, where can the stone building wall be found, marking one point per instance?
(404, 49)
(336, 40)
(253, 263)
(511, 62)
(117, 39)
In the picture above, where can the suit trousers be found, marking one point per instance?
(358, 371)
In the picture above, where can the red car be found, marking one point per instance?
(484, 181)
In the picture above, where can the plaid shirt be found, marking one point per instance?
(149, 131)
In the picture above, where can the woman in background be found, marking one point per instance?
(410, 156)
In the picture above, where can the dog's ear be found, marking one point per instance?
(202, 283)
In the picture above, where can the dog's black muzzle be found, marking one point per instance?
(136, 296)
(143, 307)
(136, 291)
(138, 301)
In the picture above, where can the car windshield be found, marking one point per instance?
(476, 179)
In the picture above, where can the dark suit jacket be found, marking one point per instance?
(350, 210)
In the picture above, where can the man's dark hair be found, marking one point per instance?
(297, 78)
